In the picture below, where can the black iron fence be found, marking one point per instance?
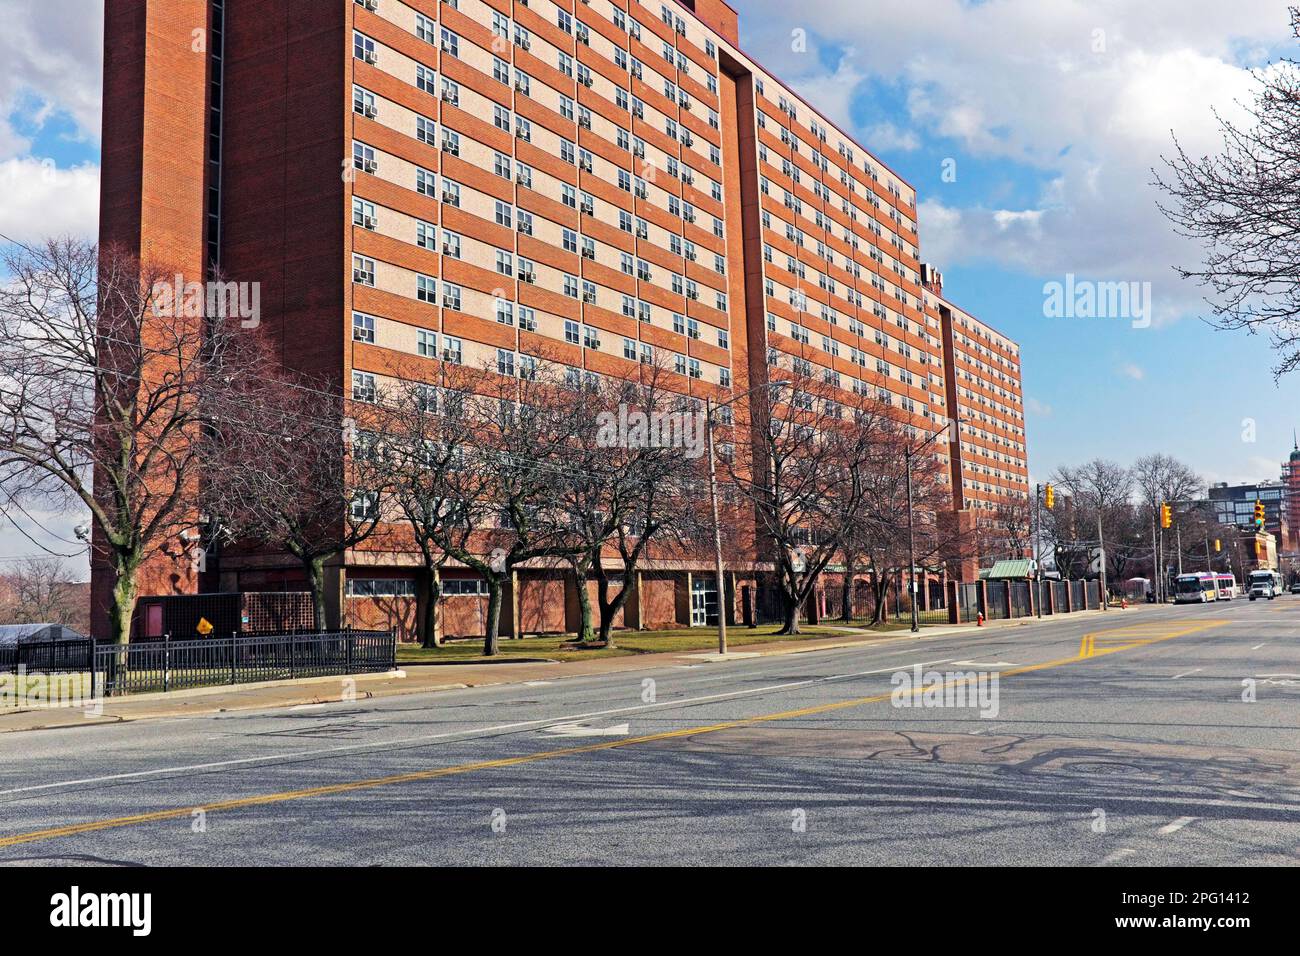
(164, 665)
(46, 656)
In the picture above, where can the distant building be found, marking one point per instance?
(1291, 483)
(1235, 505)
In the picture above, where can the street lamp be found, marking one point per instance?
(908, 453)
(709, 406)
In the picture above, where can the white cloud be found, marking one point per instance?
(1020, 81)
(1135, 372)
(52, 53)
(1035, 407)
(41, 200)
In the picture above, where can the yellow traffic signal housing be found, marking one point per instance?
(1218, 546)
(1049, 496)
(1166, 516)
(1259, 513)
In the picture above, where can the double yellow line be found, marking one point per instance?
(460, 769)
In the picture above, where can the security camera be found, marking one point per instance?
(82, 532)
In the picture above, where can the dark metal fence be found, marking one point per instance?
(47, 656)
(999, 604)
(1018, 598)
(175, 665)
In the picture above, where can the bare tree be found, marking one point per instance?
(39, 590)
(422, 442)
(296, 471)
(643, 489)
(1243, 206)
(105, 387)
(1100, 491)
(808, 457)
(511, 484)
(1160, 478)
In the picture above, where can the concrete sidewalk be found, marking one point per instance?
(427, 678)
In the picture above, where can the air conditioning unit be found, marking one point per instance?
(449, 96)
(359, 276)
(589, 297)
(584, 122)
(370, 57)
(520, 133)
(588, 209)
(451, 148)
(368, 222)
(371, 5)
(527, 277)
(524, 43)
(587, 81)
(369, 166)
(588, 253)
(519, 85)
(369, 111)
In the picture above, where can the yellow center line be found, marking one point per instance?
(458, 769)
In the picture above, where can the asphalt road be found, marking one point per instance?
(1115, 740)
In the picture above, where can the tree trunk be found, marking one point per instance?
(429, 617)
(791, 624)
(122, 606)
(315, 568)
(881, 591)
(850, 569)
(581, 568)
(491, 639)
(609, 609)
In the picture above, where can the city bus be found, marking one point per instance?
(1265, 583)
(1226, 585)
(1198, 588)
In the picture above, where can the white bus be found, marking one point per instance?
(1227, 586)
(1198, 588)
(1265, 583)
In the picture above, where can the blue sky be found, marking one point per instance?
(1053, 116)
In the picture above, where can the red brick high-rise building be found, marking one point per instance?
(414, 182)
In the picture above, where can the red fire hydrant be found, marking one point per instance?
(980, 620)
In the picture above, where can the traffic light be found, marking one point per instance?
(1166, 516)
(1218, 545)
(1259, 515)
(1049, 496)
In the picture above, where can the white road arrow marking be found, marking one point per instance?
(586, 730)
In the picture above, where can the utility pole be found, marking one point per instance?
(1038, 549)
(1178, 533)
(1155, 553)
(1101, 547)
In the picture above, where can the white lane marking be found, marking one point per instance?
(537, 683)
(985, 665)
(1120, 854)
(428, 738)
(308, 707)
(1176, 825)
(579, 729)
(1185, 673)
(1258, 646)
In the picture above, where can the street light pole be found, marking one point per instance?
(717, 530)
(911, 541)
(1038, 548)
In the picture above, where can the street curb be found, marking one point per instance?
(854, 638)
